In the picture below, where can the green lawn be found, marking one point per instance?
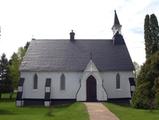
(127, 113)
(76, 111)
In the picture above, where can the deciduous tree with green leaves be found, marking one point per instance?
(14, 64)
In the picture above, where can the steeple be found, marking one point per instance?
(116, 27)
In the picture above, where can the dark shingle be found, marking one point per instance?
(66, 55)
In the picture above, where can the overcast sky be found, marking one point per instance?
(22, 20)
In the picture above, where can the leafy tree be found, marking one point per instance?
(14, 64)
(13, 67)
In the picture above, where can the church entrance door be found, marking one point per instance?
(91, 90)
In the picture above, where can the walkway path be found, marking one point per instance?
(97, 111)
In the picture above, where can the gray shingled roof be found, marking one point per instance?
(66, 55)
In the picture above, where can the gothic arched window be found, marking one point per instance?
(62, 82)
(117, 81)
(35, 81)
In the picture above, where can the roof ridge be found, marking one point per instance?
(69, 39)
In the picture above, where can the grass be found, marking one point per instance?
(125, 112)
(76, 111)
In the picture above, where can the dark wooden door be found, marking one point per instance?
(91, 89)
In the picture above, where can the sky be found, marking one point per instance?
(22, 20)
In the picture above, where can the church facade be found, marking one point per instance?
(76, 70)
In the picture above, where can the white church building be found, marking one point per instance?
(58, 70)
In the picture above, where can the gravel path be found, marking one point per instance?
(97, 111)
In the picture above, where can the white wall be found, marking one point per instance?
(28, 91)
(101, 94)
(73, 84)
(71, 88)
(110, 84)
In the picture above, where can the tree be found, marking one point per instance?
(148, 42)
(156, 87)
(146, 94)
(154, 31)
(9, 71)
(3, 66)
(14, 64)
(142, 92)
(151, 35)
(14, 69)
(6, 83)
